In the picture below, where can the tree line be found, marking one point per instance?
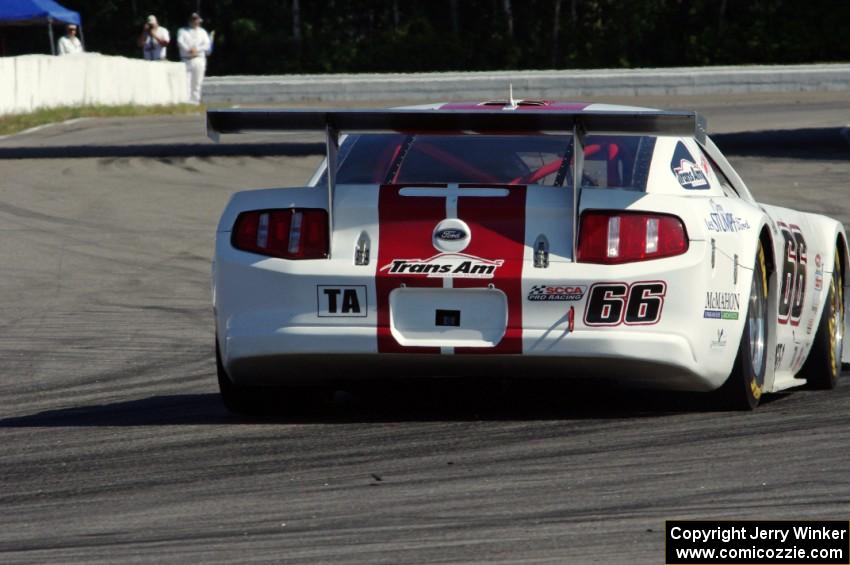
(325, 36)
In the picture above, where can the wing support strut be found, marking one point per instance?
(578, 173)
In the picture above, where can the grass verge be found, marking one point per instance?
(13, 123)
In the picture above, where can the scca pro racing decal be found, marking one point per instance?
(341, 301)
(687, 172)
(556, 293)
(445, 265)
(612, 304)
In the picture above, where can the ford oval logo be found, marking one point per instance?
(451, 234)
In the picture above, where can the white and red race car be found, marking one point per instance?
(449, 240)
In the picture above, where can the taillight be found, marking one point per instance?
(621, 237)
(295, 233)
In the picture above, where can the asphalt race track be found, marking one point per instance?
(115, 447)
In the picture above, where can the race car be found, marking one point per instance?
(521, 238)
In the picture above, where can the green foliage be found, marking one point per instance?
(258, 36)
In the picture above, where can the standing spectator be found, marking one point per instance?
(194, 42)
(69, 44)
(154, 40)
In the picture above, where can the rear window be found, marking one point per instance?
(611, 161)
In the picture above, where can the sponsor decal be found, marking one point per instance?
(810, 326)
(341, 301)
(636, 304)
(798, 358)
(445, 265)
(687, 172)
(780, 353)
(450, 234)
(556, 293)
(818, 272)
(795, 273)
(722, 305)
(720, 340)
(721, 221)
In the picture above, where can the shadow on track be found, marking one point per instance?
(809, 143)
(381, 402)
(163, 150)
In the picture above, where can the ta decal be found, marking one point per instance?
(341, 301)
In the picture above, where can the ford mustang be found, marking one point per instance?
(522, 238)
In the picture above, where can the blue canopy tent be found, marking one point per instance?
(30, 12)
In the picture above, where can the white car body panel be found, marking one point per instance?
(270, 314)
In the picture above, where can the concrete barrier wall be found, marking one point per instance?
(526, 84)
(30, 82)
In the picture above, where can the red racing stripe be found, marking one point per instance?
(497, 226)
(498, 232)
(404, 231)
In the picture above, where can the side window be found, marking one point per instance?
(615, 161)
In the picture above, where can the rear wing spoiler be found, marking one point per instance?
(459, 122)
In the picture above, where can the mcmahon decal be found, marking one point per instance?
(722, 305)
(445, 265)
(720, 220)
(687, 172)
(559, 293)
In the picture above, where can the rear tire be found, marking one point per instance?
(823, 366)
(743, 388)
(243, 400)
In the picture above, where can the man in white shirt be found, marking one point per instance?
(69, 44)
(154, 40)
(194, 43)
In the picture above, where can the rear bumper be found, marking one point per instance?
(300, 356)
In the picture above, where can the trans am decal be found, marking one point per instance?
(721, 221)
(445, 265)
(687, 172)
(722, 305)
(556, 293)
